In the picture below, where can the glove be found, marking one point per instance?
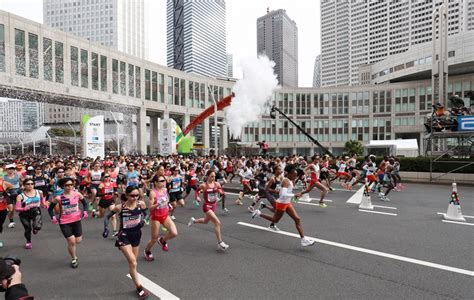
(54, 220)
(85, 215)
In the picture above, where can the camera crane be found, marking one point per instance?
(273, 116)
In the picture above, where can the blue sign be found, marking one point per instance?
(466, 123)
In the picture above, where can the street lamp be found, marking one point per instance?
(22, 146)
(117, 132)
(50, 145)
(215, 120)
(10, 146)
(74, 133)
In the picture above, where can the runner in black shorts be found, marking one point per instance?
(132, 213)
(175, 188)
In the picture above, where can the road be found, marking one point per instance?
(407, 253)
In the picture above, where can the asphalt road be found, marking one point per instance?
(265, 265)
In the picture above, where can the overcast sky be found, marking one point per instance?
(241, 28)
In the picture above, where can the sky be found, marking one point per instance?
(241, 28)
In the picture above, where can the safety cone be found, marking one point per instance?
(366, 203)
(454, 212)
(305, 198)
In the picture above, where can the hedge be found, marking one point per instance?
(422, 164)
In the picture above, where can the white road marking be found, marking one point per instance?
(301, 201)
(460, 223)
(357, 197)
(467, 217)
(387, 207)
(377, 212)
(154, 288)
(369, 251)
(343, 190)
(313, 204)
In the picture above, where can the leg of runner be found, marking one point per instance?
(3, 216)
(131, 254)
(72, 242)
(155, 231)
(26, 222)
(324, 192)
(171, 233)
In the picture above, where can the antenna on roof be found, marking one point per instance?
(268, 9)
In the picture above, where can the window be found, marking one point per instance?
(103, 73)
(183, 92)
(59, 60)
(33, 53)
(161, 87)
(20, 54)
(95, 71)
(123, 78)
(47, 59)
(115, 76)
(138, 82)
(84, 69)
(176, 91)
(131, 80)
(154, 86)
(170, 90)
(2, 48)
(74, 66)
(147, 84)
(451, 53)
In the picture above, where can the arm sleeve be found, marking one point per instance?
(284, 193)
(84, 203)
(51, 209)
(16, 292)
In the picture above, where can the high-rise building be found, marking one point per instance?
(196, 37)
(277, 38)
(116, 23)
(230, 65)
(317, 72)
(19, 118)
(377, 29)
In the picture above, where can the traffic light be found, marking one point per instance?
(273, 113)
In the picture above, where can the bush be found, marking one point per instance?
(422, 164)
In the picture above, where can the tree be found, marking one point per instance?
(353, 147)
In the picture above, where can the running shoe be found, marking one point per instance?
(251, 209)
(191, 221)
(381, 195)
(322, 205)
(256, 213)
(385, 198)
(1, 244)
(239, 202)
(74, 263)
(115, 233)
(196, 203)
(11, 225)
(331, 188)
(94, 213)
(142, 294)
(262, 206)
(148, 255)
(28, 245)
(105, 234)
(90, 207)
(163, 244)
(223, 245)
(305, 242)
(35, 231)
(225, 210)
(173, 217)
(273, 227)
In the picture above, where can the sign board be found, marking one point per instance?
(466, 123)
(92, 132)
(167, 136)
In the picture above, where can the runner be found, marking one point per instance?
(175, 187)
(41, 183)
(132, 213)
(220, 178)
(107, 194)
(283, 204)
(4, 187)
(94, 177)
(159, 211)
(28, 206)
(14, 179)
(314, 181)
(70, 216)
(210, 190)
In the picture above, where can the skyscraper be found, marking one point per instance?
(317, 72)
(116, 23)
(277, 38)
(230, 65)
(377, 29)
(18, 118)
(196, 37)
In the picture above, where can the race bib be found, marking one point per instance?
(131, 221)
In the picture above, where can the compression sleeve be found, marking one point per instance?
(84, 203)
(51, 209)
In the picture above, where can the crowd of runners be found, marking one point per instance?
(130, 192)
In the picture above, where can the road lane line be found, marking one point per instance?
(357, 197)
(460, 223)
(154, 288)
(313, 204)
(467, 217)
(377, 212)
(301, 201)
(387, 207)
(368, 251)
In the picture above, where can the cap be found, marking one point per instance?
(6, 271)
(10, 166)
(30, 168)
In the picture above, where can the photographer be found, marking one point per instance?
(10, 277)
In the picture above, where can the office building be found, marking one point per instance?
(120, 24)
(317, 72)
(196, 37)
(18, 118)
(230, 65)
(376, 30)
(277, 38)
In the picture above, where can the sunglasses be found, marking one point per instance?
(60, 172)
(68, 184)
(134, 195)
(29, 183)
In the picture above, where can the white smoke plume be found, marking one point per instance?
(252, 92)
